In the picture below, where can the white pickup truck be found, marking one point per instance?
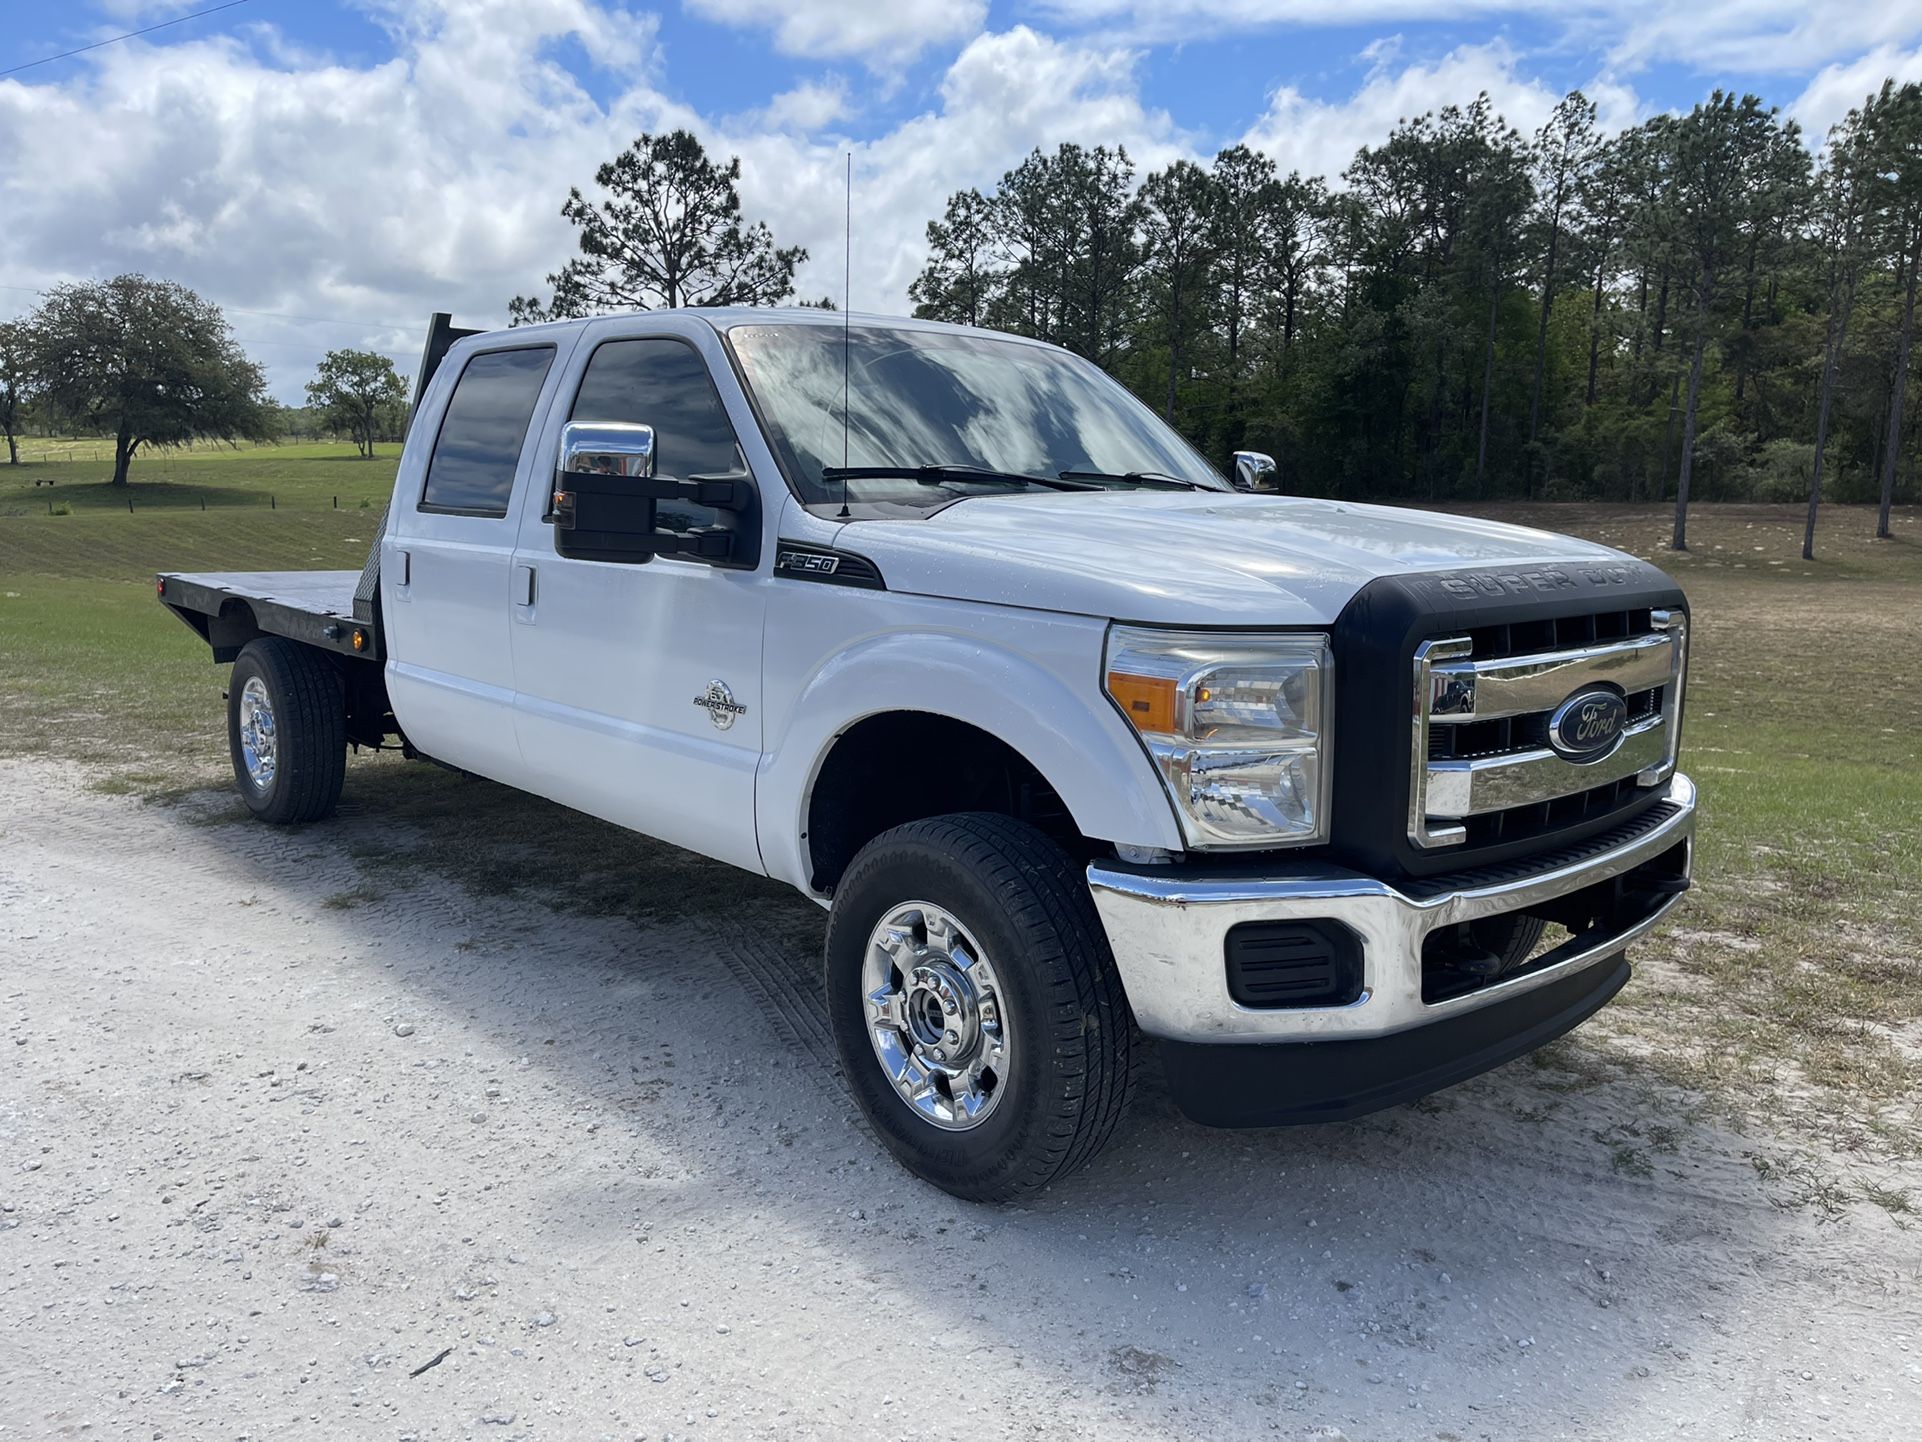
(1080, 741)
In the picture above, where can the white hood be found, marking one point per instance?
(1187, 557)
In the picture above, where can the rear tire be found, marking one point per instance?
(287, 731)
(980, 928)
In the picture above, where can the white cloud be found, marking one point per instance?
(1840, 88)
(1786, 36)
(1004, 95)
(886, 32)
(1320, 137)
(1721, 37)
(1185, 19)
(433, 181)
(804, 109)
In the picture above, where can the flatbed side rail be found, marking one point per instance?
(226, 619)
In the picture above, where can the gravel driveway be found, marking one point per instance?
(429, 1166)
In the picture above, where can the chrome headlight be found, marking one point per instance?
(1236, 725)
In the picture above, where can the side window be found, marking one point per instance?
(479, 446)
(664, 384)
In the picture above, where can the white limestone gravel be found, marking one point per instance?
(588, 1188)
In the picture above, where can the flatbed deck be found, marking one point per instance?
(314, 607)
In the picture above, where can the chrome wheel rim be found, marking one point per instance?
(259, 737)
(937, 1016)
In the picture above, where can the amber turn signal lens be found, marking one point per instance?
(1147, 701)
(360, 640)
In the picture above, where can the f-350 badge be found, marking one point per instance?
(720, 705)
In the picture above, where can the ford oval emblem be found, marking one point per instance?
(1588, 725)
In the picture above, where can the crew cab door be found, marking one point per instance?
(639, 685)
(448, 551)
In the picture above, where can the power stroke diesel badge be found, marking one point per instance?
(720, 705)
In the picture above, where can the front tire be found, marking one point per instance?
(287, 730)
(980, 1021)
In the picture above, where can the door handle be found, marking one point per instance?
(523, 585)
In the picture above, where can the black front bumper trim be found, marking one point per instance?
(1302, 1083)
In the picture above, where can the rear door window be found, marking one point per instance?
(471, 472)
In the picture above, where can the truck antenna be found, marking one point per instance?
(847, 319)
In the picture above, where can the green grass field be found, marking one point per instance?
(81, 637)
(1792, 978)
(1790, 983)
(307, 477)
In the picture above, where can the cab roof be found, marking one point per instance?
(723, 318)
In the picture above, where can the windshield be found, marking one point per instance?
(920, 398)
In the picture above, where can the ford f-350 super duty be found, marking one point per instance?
(1079, 740)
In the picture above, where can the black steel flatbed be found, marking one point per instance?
(226, 609)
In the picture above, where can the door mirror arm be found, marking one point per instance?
(606, 494)
(717, 493)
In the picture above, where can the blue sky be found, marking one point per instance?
(333, 169)
(1215, 84)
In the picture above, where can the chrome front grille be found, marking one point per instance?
(1502, 735)
(1482, 768)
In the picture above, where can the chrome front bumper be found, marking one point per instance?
(1168, 932)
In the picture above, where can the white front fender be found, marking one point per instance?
(1036, 685)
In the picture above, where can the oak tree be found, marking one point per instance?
(13, 385)
(359, 392)
(146, 361)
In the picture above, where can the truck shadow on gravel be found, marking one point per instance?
(1557, 1241)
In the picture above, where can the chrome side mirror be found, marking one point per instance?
(606, 448)
(1255, 471)
(606, 497)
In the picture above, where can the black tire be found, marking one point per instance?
(310, 722)
(1513, 939)
(1027, 906)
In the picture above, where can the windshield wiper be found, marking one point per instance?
(952, 475)
(1157, 480)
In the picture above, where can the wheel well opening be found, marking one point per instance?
(903, 766)
(233, 628)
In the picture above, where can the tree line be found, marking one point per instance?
(1696, 306)
(148, 363)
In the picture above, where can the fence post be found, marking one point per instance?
(337, 503)
(273, 503)
(130, 505)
